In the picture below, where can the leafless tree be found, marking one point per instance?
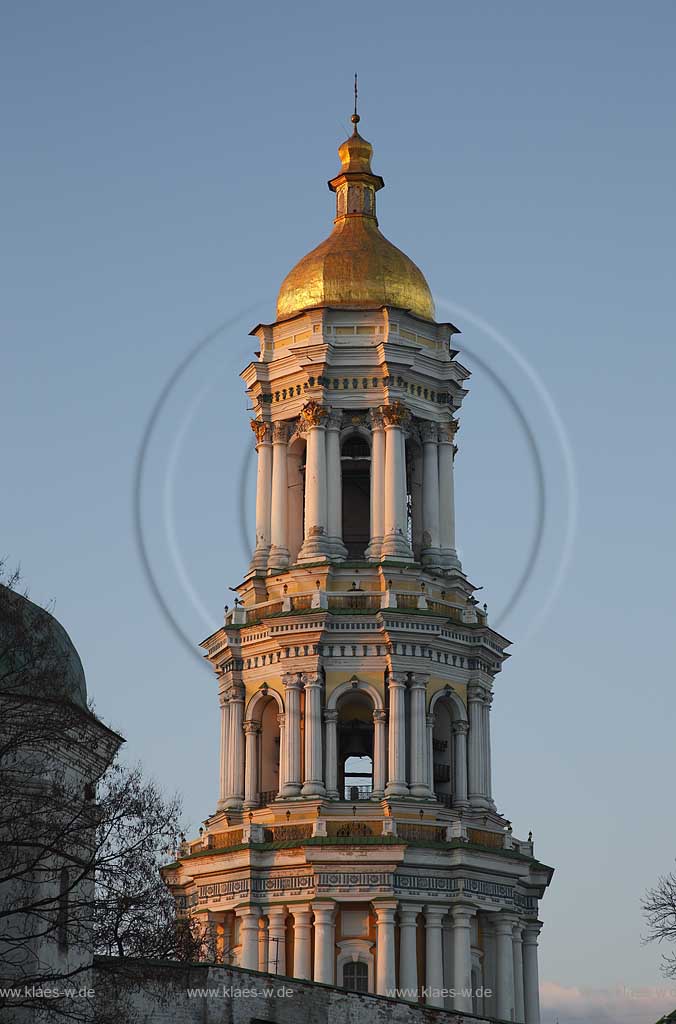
(659, 908)
(82, 835)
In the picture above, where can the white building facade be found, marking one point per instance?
(356, 841)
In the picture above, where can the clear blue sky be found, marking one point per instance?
(164, 166)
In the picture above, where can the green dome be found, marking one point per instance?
(37, 657)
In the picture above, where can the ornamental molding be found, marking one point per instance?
(396, 414)
(313, 413)
(369, 883)
(280, 432)
(262, 430)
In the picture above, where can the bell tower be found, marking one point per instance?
(356, 841)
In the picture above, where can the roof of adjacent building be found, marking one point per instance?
(37, 657)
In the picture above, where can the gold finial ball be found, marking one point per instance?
(355, 119)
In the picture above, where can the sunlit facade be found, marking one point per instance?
(356, 841)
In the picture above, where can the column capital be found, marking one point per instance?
(434, 915)
(379, 715)
(531, 932)
(504, 923)
(301, 913)
(334, 419)
(419, 680)
(428, 432)
(313, 414)
(409, 910)
(385, 910)
(262, 430)
(324, 911)
(376, 418)
(462, 914)
(311, 680)
(277, 910)
(397, 681)
(280, 432)
(330, 714)
(460, 727)
(251, 727)
(395, 415)
(248, 910)
(236, 693)
(447, 431)
(477, 690)
(292, 680)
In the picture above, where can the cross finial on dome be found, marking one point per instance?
(355, 117)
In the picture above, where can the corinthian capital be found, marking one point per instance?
(376, 418)
(261, 430)
(313, 413)
(280, 432)
(428, 432)
(396, 414)
(447, 431)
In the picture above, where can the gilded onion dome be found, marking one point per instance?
(355, 266)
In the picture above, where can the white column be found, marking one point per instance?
(248, 935)
(446, 451)
(279, 551)
(262, 944)
(504, 924)
(462, 956)
(488, 781)
(489, 978)
(302, 941)
(334, 487)
(517, 950)
(395, 541)
(379, 764)
(251, 732)
(408, 950)
(448, 946)
(429, 720)
(325, 943)
(386, 981)
(377, 485)
(476, 745)
(225, 781)
(263, 432)
(236, 747)
(316, 544)
(434, 955)
(531, 985)
(396, 783)
(281, 781)
(331, 769)
(292, 685)
(313, 784)
(460, 729)
(419, 756)
(430, 509)
(277, 940)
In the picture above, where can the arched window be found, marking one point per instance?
(355, 746)
(355, 461)
(356, 976)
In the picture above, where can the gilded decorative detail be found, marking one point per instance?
(261, 430)
(356, 265)
(447, 432)
(313, 413)
(396, 414)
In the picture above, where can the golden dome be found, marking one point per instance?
(355, 266)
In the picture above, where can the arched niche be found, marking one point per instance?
(447, 709)
(355, 468)
(295, 469)
(264, 708)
